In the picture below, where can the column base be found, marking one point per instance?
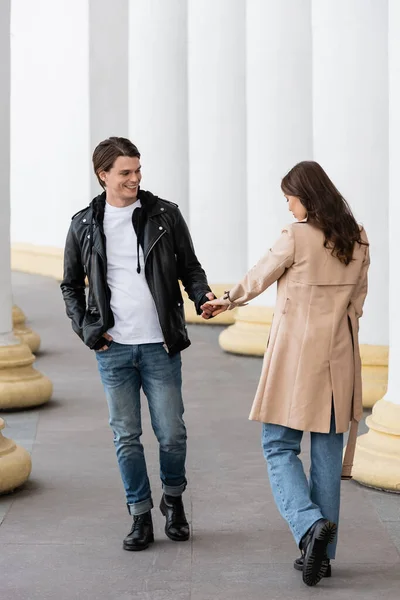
(249, 334)
(226, 318)
(23, 333)
(374, 373)
(21, 385)
(15, 463)
(377, 457)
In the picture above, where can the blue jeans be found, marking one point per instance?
(300, 502)
(124, 369)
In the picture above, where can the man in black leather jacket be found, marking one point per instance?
(133, 248)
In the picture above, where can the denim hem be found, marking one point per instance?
(314, 515)
(139, 508)
(174, 490)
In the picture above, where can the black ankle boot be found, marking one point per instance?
(313, 547)
(141, 533)
(176, 526)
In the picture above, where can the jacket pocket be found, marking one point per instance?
(92, 328)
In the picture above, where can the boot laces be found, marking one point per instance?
(137, 522)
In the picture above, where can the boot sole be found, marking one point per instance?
(300, 568)
(315, 568)
(137, 548)
(171, 536)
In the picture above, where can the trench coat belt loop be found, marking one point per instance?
(350, 450)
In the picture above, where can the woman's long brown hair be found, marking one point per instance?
(326, 208)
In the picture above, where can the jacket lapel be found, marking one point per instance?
(154, 227)
(98, 241)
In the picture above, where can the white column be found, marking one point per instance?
(50, 142)
(377, 458)
(158, 95)
(279, 114)
(5, 268)
(15, 462)
(20, 385)
(351, 143)
(279, 134)
(393, 394)
(351, 128)
(109, 86)
(217, 137)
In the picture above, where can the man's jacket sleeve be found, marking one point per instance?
(190, 271)
(73, 283)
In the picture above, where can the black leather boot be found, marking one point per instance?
(313, 546)
(176, 526)
(141, 533)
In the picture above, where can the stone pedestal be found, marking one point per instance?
(22, 332)
(15, 463)
(374, 373)
(249, 334)
(21, 385)
(377, 458)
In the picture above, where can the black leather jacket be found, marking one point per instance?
(168, 257)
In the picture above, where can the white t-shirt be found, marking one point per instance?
(135, 314)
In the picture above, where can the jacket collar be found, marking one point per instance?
(150, 203)
(149, 232)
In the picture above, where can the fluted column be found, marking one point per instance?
(217, 141)
(109, 68)
(158, 107)
(377, 459)
(50, 135)
(158, 95)
(279, 134)
(351, 141)
(20, 384)
(6, 336)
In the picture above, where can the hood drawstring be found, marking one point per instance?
(138, 269)
(138, 234)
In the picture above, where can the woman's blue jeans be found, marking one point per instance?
(299, 501)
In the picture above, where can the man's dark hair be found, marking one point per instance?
(107, 152)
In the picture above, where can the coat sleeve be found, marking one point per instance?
(73, 283)
(361, 288)
(190, 271)
(268, 270)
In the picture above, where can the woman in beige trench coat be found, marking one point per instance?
(311, 375)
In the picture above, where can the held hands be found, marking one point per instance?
(207, 310)
(214, 307)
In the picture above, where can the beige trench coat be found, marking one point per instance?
(312, 354)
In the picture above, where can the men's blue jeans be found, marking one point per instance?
(124, 369)
(299, 501)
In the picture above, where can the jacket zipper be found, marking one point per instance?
(151, 291)
(152, 246)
